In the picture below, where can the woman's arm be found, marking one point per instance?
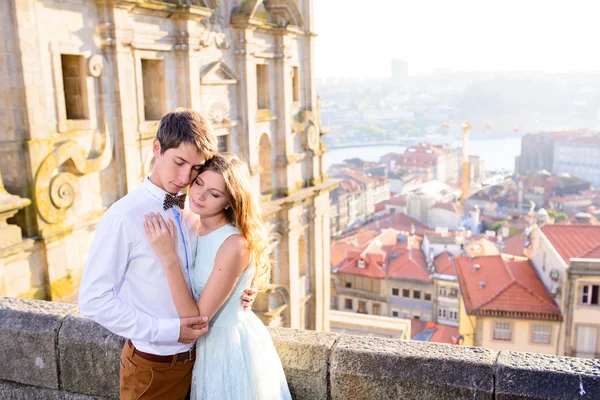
(231, 260)
(163, 238)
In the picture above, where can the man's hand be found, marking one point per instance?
(192, 328)
(248, 297)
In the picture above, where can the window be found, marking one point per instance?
(441, 312)
(295, 85)
(222, 143)
(361, 263)
(75, 89)
(376, 309)
(427, 297)
(349, 285)
(362, 307)
(502, 330)
(416, 294)
(442, 291)
(541, 333)
(453, 315)
(348, 304)
(262, 86)
(453, 293)
(395, 292)
(589, 294)
(405, 293)
(152, 80)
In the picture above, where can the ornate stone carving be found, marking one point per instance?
(214, 34)
(95, 64)
(218, 112)
(56, 183)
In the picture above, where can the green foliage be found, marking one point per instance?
(558, 216)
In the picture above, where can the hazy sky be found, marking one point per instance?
(359, 38)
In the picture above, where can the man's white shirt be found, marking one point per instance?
(124, 286)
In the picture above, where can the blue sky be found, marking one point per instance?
(359, 38)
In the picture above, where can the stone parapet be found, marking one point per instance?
(50, 350)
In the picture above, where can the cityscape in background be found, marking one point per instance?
(453, 207)
(479, 232)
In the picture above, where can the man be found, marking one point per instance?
(124, 287)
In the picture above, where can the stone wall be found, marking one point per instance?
(50, 351)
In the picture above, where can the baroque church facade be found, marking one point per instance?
(83, 85)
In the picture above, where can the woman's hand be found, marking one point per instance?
(162, 236)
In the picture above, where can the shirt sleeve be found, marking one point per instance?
(104, 271)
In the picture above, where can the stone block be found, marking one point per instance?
(89, 357)
(28, 340)
(540, 376)
(305, 358)
(17, 391)
(377, 368)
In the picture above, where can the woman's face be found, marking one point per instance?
(208, 194)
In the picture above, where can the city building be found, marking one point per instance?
(505, 306)
(578, 156)
(554, 251)
(430, 162)
(542, 186)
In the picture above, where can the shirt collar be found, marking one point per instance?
(153, 190)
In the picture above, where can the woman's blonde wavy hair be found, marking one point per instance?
(243, 212)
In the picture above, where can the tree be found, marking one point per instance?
(557, 216)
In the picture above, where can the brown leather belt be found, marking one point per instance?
(189, 355)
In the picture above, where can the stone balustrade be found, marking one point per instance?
(50, 351)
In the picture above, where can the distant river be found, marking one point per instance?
(496, 153)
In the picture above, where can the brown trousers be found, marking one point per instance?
(143, 379)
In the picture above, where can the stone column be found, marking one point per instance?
(290, 270)
(247, 104)
(285, 162)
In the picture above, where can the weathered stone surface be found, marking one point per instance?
(89, 357)
(28, 340)
(541, 376)
(305, 358)
(17, 391)
(376, 368)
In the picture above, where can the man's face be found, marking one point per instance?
(176, 168)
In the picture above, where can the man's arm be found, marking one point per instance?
(105, 269)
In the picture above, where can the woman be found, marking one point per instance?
(236, 359)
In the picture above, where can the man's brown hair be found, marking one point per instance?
(183, 125)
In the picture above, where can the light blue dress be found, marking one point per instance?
(236, 359)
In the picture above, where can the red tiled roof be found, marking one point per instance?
(373, 254)
(349, 185)
(443, 264)
(398, 221)
(359, 177)
(574, 241)
(504, 287)
(444, 334)
(339, 250)
(515, 244)
(411, 264)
